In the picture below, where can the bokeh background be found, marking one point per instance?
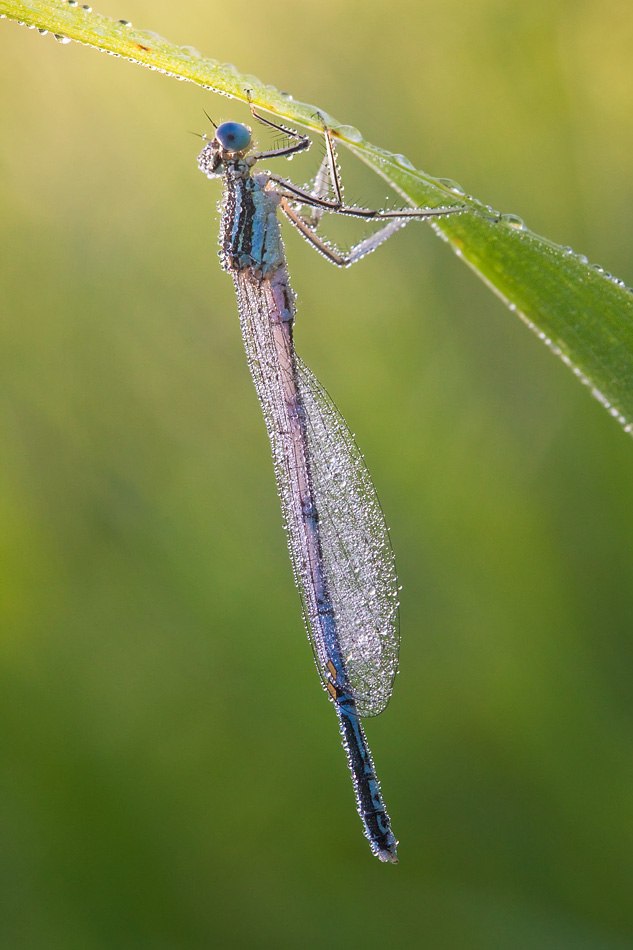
(172, 775)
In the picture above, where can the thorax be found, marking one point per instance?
(250, 235)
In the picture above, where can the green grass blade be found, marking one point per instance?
(584, 315)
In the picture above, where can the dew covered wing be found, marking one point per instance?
(356, 549)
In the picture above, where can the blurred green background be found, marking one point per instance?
(172, 773)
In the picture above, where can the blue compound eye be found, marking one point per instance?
(233, 136)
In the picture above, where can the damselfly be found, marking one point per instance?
(339, 545)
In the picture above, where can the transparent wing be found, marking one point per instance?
(357, 554)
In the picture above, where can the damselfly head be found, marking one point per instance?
(231, 142)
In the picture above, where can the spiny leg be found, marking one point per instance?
(332, 253)
(301, 143)
(335, 173)
(292, 192)
(327, 181)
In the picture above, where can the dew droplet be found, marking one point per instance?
(512, 221)
(72, 3)
(64, 40)
(404, 162)
(452, 185)
(349, 132)
(86, 7)
(42, 32)
(125, 23)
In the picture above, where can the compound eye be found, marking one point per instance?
(233, 136)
